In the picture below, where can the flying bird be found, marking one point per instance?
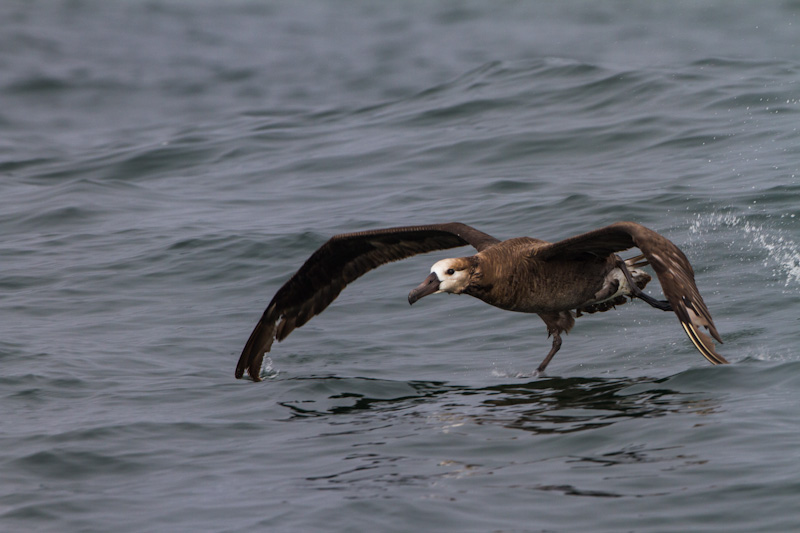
(557, 281)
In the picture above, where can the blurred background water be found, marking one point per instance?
(166, 165)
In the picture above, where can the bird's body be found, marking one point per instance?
(513, 280)
(557, 281)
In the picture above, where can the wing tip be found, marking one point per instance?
(258, 344)
(253, 368)
(251, 364)
(703, 345)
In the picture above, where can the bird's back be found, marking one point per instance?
(514, 279)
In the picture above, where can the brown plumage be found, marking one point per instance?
(558, 281)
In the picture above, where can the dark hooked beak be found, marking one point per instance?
(429, 286)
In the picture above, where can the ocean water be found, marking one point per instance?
(166, 165)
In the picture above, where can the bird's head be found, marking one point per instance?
(448, 275)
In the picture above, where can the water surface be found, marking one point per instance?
(168, 164)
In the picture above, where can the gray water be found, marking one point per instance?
(166, 165)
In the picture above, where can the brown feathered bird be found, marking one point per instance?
(557, 281)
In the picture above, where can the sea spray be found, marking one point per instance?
(778, 251)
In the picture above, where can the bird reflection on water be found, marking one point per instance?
(544, 406)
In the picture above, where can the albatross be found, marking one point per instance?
(558, 281)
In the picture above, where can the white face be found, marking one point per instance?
(451, 279)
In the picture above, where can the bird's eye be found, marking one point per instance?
(450, 272)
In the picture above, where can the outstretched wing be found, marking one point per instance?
(673, 269)
(338, 262)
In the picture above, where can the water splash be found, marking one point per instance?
(513, 374)
(781, 253)
(268, 371)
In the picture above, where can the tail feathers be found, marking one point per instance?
(616, 291)
(637, 262)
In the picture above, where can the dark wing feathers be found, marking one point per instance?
(336, 263)
(670, 264)
(475, 238)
